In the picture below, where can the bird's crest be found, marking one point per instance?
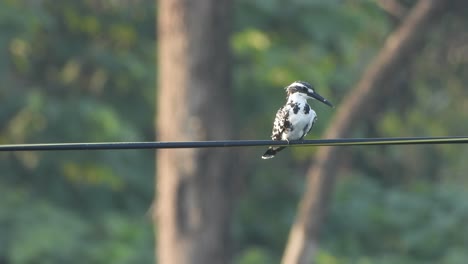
(297, 86)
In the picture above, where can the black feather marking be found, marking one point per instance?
(307, 129)
(271, 152)
(306, 84)
(295, 107)
(306, 109)
(281, 123)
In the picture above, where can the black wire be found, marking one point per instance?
(234, 143)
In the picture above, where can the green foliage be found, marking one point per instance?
(34, 229)
(417, 223)
(85, 71)
(255, 255)
(76, 71)
(381, 219)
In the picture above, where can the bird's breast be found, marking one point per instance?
(301, 117)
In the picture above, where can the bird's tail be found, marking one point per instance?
(271, 152)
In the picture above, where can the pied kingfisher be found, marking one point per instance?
(295, 119)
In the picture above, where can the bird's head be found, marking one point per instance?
(305, 90)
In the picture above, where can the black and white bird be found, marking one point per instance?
(295, 119)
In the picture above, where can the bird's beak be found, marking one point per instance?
(320, 98)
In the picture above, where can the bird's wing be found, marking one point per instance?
(281, 123)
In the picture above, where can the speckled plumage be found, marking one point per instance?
(296, 118)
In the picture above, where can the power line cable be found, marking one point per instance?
(234, 143)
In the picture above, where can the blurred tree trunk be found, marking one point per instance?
(193, 189)
(360, 103)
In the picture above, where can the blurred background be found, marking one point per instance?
(86, 71)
